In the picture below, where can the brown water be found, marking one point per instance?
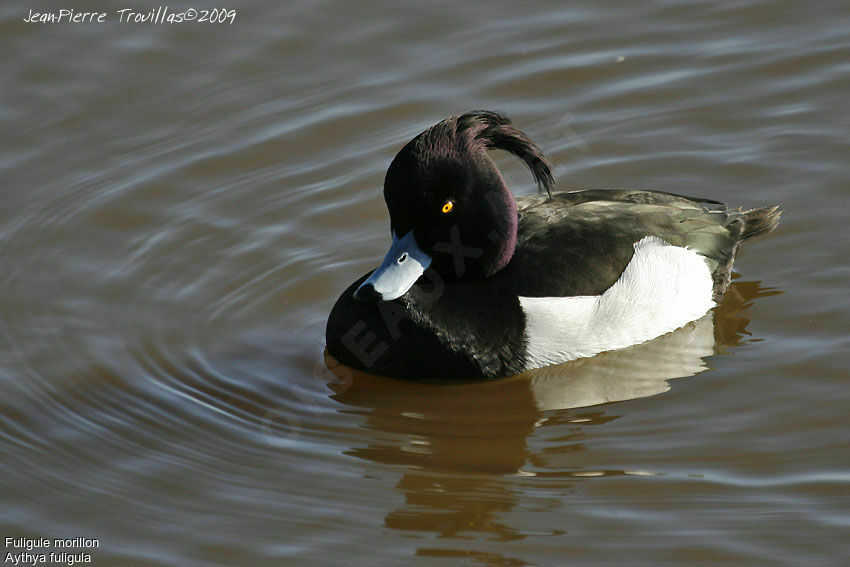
(181, 206)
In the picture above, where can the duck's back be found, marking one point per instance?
(579, 243)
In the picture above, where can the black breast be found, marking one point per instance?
(445, 332)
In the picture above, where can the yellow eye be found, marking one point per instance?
(448, 206)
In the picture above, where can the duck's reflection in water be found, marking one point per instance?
(464, 444)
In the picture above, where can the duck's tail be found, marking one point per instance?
(760, 221)
(756, 222)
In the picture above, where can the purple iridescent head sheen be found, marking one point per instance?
(450, 162)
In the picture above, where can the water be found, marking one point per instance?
(183, 204)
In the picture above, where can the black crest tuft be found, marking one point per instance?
(496, 132)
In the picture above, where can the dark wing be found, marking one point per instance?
(578, 243)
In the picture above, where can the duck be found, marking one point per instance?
(479, 285)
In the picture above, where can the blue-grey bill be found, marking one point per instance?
(402, 266)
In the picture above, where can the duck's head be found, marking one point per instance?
(450, 208)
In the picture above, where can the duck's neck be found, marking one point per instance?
(504, 236)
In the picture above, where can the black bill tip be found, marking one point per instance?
(366, 293)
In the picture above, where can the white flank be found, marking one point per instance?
(663, 288)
